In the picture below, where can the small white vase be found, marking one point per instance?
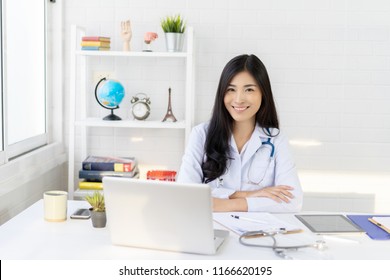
(174, 41)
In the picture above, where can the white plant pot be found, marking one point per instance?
(174, 41)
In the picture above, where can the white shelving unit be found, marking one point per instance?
(78, 68)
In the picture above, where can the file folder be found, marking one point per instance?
(373, 231)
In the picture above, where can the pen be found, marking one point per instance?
(248, 219)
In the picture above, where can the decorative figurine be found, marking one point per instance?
(169, 115)
(126, 35)
(148, 38)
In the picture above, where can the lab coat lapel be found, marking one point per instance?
(253, 145)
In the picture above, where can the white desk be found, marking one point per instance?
(28, 236)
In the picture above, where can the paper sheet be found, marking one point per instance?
(384, 221)
(267, 222)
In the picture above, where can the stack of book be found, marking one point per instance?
(94, 168)
(95, 43)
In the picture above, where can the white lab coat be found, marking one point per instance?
(254, 158)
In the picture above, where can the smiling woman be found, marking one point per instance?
(241, 153)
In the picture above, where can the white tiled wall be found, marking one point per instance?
(328, 60)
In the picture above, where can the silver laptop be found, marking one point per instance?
(161, 215)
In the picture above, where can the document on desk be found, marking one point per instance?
(382, 222)
(241, 222)
(371, 229)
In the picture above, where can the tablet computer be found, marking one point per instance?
(330, 224)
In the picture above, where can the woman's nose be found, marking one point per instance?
(239, 97)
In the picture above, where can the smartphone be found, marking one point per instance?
(81, 213)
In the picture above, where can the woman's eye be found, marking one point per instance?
(230, 89)
(250, 89)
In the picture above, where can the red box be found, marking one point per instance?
(162, 175)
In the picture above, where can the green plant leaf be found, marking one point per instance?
(96, 200)
(173, 24)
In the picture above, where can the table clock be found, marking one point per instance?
(140, 109)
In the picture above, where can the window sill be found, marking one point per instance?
(29, 166)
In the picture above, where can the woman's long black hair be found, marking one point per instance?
(221, 123)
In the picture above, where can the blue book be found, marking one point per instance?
(119, 164)
(373, 231)
(91, 48)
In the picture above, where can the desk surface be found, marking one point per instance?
(29, 236)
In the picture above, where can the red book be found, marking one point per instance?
(96, 38)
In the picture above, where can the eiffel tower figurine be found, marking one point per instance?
(169, 115)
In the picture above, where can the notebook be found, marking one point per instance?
(161, 215)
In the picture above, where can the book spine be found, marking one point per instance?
(95, 44)
(95, 175)
(94, 49)
(85, 185)
(96, 38)
(108, 166)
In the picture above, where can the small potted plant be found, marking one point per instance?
(174, 28)
(98, 209)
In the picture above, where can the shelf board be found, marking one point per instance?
(96, 122)
(131, 53)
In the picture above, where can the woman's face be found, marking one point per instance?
(243, 97)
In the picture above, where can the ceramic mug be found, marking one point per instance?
(55, 206)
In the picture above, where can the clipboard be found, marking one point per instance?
(266, 222)
(373, 231)
(379, 224)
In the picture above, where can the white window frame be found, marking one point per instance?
(10, 152)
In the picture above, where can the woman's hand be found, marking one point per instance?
(278, 193)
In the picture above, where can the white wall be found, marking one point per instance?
(328, 60)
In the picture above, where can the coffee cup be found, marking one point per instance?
(55, 206)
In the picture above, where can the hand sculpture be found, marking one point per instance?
(126, 35)
(148, 38)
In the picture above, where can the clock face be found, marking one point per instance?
(141, 110)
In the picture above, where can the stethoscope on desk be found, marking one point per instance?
(278, 249)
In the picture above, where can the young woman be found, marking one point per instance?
(240, 152)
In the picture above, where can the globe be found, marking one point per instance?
(109, 94)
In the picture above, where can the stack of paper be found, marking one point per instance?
(241, 222)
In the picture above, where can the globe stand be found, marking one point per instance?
(112, 117)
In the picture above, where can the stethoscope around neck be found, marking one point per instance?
(270, 159)
(268, 142)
